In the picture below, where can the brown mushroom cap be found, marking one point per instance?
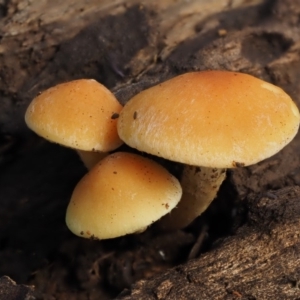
(77, 114)
(122, 194)
(213, 119)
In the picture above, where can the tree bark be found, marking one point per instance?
(9, 290)
(261, 261)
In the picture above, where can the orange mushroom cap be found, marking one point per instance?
(124, 193)
(216, 119)
(79, 114)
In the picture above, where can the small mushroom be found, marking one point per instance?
(209, 121)
(79, 114)
(123, 193)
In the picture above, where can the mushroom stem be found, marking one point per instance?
(200, 186)
(90, 158)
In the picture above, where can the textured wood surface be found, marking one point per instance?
(261, 261)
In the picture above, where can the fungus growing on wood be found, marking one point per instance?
(80, 114)
(209, 121)
(123, 193)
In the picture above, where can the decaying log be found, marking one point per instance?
(46, 42)
(261, 261)
(9, 290)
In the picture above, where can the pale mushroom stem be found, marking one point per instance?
(200, 186)
(90, 158)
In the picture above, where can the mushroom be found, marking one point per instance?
(122, 194)
(80, 114)
(209, 121)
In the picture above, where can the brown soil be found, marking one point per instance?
(37, 178)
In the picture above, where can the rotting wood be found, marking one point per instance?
(9, 290)
(261, 261)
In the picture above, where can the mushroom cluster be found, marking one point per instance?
(207, 121)
(122, 193)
